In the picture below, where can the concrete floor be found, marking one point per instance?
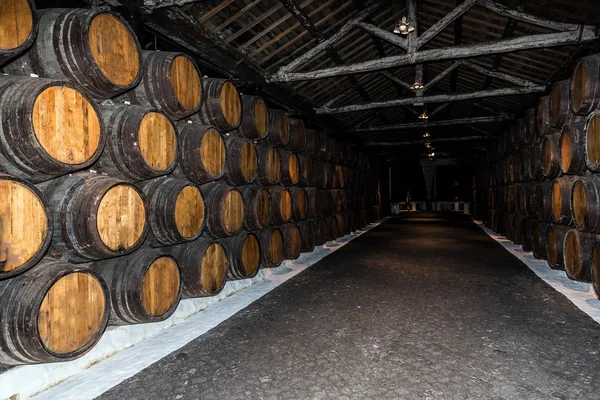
(426, 306)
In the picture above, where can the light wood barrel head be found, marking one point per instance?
(23, 224)
(566, 148)
(276, 249)
(284, 128)
(16, 22)
(261, 117)
(303, 204)
(66, 125)
(71, 313)
(160, 288)
(556, 201)
(285, 205)
(213, 152)
(157, 141)
(213, 268)
(578, 84)
(114, 49)
(264, 207)
(274, 165)
(233, 211)
(250, 254)
(579, 201)
(231, 104)
(571, 255)
(294, 168)
(189, 211)
(593, 140)
(248, 160)
(186, 82)
(121, 217)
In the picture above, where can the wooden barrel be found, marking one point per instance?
(242, 162)
(281, 205)
(337, 202)
(314, 202)
(257, 206)
(539, 235)
(578, 249)
(324, 149)
(93, 48)
(141, 143)
(527, 234)
(222, 107)
(25, 226)
(95, 216)
(306, 175)
(290, 168)
(243, 253)
(596, 271)
(362, 218)
(297, 141)
(279, 128)
(144, 286)
(203, 154)
(572, 147)
(585, 203)
(271, 245)
(299, 204)
(255, 118)
(319, 175)
(269, 165)
(542, 116)
(561, 200)
(313, 144)
(203, 265)
(341, 224)
(327, 203)
(18, 23)
(555, 237)
(340, 176)
(543, 201)
(536, 170)
(292, 241)
(321, 231)
(59, 130)
(517, 226)
(176, 211)
(559, 103)
(330, 177)
(585, 85)
(509, 227)
(530, 200)
(551, 156)
(309, 235)
(53, 312)
(592, 141)
(224, 209)
(530, 126)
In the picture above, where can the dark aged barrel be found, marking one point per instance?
(517, 235)
(332, 228)
(530, 126)
(551, 156)
(255, 118)
(539, 237)
(59, 130)
(242, 162)
(327, 203)
(290, 168)
(542, 116)
(596, 270)
(224, 209)
(321, 233)
(585, 85)
(319, 174)
(299, 204)
(527, 234)
(257, 207)
(543, 201)
(337, 201)
(93, 48)
(572, 147)
(340, 174)
(176, 211)
(561, 200)
(203, 265)
(269, 165)
(578, 255)
(25, 226)
(222, 107)
(144, 286)
(314, 202)
(559, 103)
(271, 245)
(243, 253)
(297, 141)
(281, 205)
(530, 200)
(341, 224)
(509, 226)
(324, 149)
(585, 203)
(592, 138)
(555, 238)
(141, 143)
(171, 82)
(362, 218)
(279, 128)
(292, 241)
(203, 154)
(330, 176)
(313, 144)
(95, 216)
(308, 235)
(18, 23)
(53, 312)
(306, 175)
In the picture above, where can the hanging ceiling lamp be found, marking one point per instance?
(403, 28)
(424, 115)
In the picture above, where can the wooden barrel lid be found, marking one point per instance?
(160, 289)
(556, 201)
(571, 253)
(276, 249)
(283, 127)
(296, 239)
(261, 117)
(294, 168)
(250, 254)
(157, 141)
(23, 225)
(121, 217)
(593, 140)
(274, 165)
(189, 211)
(552, 246)
(114, 49)
(303, 203)
(213, 152)
(16, 22)
(233, 211)
(579, 202)
(249, 161)
(187, 83)
(213, 268)
(71, 313)
(231, 104)
(66, 125)
(566, 148)
(264, 207)
(578, 85)
(285, 205)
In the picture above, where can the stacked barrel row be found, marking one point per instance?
(128, 181)
(541, 184)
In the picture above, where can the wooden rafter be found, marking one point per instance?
(420, 142)
(428, 124)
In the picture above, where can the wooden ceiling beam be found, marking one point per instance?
(420, 142)
(429, 124)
